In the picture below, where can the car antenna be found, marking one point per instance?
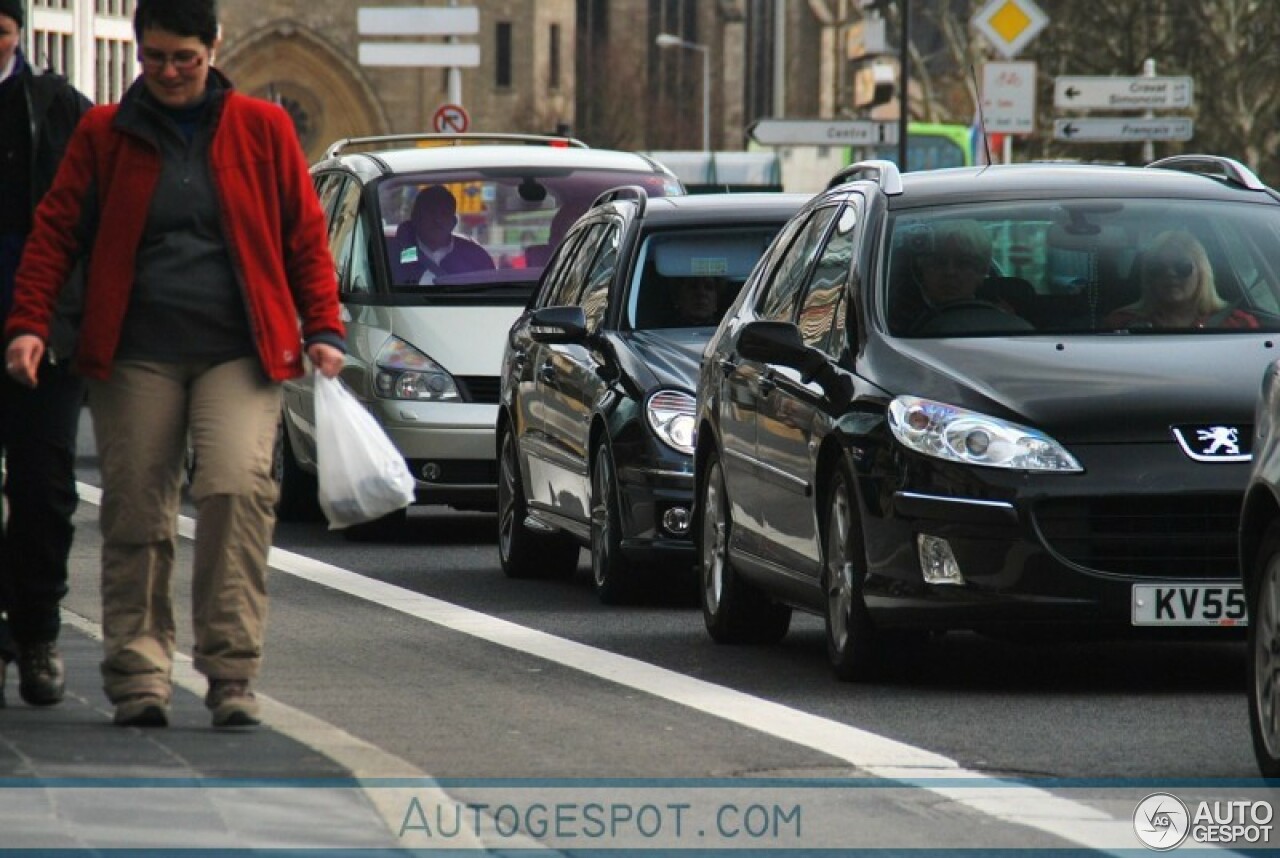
(982, 120)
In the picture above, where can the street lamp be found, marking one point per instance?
(667, 40)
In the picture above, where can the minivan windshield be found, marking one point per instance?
(1089, 266)
(468, 228)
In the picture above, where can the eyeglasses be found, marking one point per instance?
(1180, 268)
(955, 262)
(183, 61)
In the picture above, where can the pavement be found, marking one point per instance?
(72, 780)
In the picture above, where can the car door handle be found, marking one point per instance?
(547, 372)
(767, 383)
(727, 366)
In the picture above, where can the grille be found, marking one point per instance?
(1189, 536)
(481, 388)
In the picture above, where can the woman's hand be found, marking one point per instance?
(323, 357)
(22, 359)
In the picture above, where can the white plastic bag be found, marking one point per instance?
(362, 475)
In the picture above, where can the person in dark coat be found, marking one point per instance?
(38, 111)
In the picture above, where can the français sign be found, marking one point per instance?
(1122, 130)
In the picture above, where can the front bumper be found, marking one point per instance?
(1048, 548)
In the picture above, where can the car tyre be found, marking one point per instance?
(523, 553)
(1264, 654)
(853, 647)
(733, 610)
(299, 492)
(613, 575)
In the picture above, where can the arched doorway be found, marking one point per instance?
(323, 90)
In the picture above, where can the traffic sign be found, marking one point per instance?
(450, 119)
(1010, 24)
(1009, 97)
(418, 54)
(823, 132)
(1122, 93)
(399, 21)
(1122, 130)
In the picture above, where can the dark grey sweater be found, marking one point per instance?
(187, 303)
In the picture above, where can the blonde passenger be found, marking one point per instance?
(1178, 290)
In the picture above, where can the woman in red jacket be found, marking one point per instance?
(205, 246)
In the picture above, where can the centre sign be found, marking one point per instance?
(823, 132)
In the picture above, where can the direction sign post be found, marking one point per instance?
(823, 132)
(448, 21)
(1116, 130)
(1122, 93)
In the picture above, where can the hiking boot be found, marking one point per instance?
(232, 703)
(142, 710)
(42, 680)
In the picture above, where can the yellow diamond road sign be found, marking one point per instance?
(1010, 24)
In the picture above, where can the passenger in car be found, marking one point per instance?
(1178, 290)
(427, 245)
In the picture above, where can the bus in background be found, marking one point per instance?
(930, 146)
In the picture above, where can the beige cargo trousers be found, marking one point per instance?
(142, 417)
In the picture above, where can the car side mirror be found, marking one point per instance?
(558, 325)
(780, 343)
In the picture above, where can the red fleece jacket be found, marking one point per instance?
(271, 220)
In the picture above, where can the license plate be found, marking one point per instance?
(1189, 605)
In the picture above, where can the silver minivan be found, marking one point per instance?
(438, 242)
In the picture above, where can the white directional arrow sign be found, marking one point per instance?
(823, 132)
(1122, 93)
(1122, 130)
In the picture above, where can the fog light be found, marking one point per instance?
(676, 521)
(430, 472)
(937, 562)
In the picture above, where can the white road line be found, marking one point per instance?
(876, 755)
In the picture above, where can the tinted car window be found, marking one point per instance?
(671, 264)
(595, 296)
(779, 298)
(1095, 266)
(825, 294)
(573, 268)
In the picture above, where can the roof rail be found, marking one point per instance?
(1217, 165)
(885, 174)
(622, 192)
(338, 146)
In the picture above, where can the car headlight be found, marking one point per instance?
(670, 414)
(406, 373)
(959, 435)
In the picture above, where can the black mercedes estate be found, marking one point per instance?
(1015, 399)
(595, 422)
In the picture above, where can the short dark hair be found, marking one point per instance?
(197, 18)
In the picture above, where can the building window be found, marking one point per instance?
(502, 67)
(554, 57)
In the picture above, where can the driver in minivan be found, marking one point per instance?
(429, 248)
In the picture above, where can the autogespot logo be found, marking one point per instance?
(1161, 821)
